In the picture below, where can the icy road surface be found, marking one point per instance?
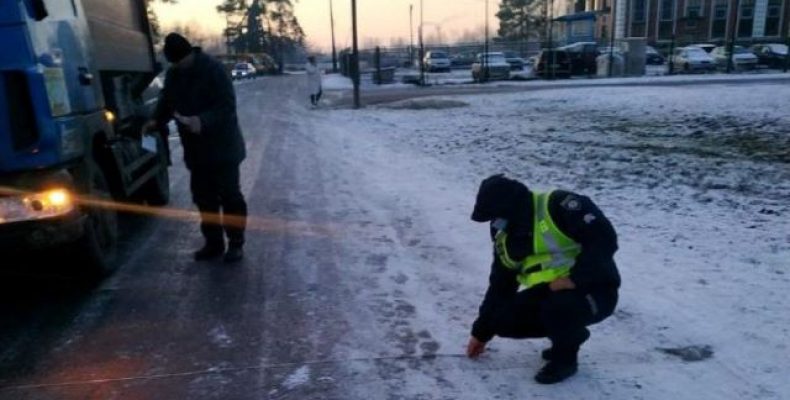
(364, 272)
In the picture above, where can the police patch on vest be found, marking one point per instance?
(571, 202)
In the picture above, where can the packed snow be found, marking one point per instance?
(695, 179)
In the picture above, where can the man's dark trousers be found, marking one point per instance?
(216, 191)
(561, 316)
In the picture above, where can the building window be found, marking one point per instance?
(693, 9)
(772, 19)
(639, 11)
(719, 25)
(746, 21)
(667, 9)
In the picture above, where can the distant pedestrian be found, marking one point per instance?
(199, 95)
(314, 81)
(559, 248)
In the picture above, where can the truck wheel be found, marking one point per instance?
(97, 248)
(156, 192)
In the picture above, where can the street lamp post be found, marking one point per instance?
(411, 35)
(731, 42)
(332, 24)
(612, 33)
(422, 48)
(485, 51)
(355, 54)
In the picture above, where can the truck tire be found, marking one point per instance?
(156, 192)
(97, 249)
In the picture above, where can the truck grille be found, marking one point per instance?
(21, 118)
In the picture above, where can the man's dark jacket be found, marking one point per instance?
(594, 271)
(204, 90)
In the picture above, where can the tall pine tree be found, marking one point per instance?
(522, 20)
(268, 26)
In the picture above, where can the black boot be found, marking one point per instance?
(234, 254)
(556, 371)
(548, 354)
(209, 252)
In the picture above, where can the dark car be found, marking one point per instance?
(583, 57)
(653, 57)
(515, 61)
(553, 64)
(462, 60)
(773, 55)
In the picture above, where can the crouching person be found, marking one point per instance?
(557, 247)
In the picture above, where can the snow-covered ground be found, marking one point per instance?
(696, 181)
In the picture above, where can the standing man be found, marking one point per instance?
(559, 248)
(199, 94)
(314, 81)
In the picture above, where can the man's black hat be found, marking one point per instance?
(177, 48)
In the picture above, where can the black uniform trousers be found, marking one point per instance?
(216, 190)
(561, 316)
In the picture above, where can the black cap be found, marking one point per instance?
(499, 197)
(176, 48)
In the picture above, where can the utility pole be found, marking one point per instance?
(553, 66)
(485, 51)
(731, 42)
(612, 15)
(422, 49)
(411, 35)
(332, 24)
(787, 43)
(355, 54)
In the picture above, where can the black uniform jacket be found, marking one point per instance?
(204, 90)
(580, 219)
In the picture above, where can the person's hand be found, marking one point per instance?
(475, 347)
(563, 283)
(148, 126)
(192, 123)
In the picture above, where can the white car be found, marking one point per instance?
(243, 71)
(690, 59)
(741, 57)
(704, 46)
(436, 61)
(495, 63)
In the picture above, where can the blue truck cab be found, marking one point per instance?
(75, 88)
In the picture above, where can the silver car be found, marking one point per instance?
(690, 59)
(437, 61)
(495, 63)
(741, 57)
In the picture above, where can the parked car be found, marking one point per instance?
(497, 65)
(741, 57)
(653, 57)
(582, 56)
(516, 62)
(773, 55)
(462, 60)
(243, 71)
(704, 46)
(692, 58)
(436, 61)
(553, 63)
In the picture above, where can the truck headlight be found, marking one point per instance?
(35, 206)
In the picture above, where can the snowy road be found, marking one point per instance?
(363, 271)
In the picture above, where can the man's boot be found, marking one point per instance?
(556, 371)
(209, 251)
(234, 254)
(548, 354)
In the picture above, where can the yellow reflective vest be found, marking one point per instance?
(554, 253)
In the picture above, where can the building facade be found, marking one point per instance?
(710, 21)
(690, 21)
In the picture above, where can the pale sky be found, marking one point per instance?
(378, 19)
